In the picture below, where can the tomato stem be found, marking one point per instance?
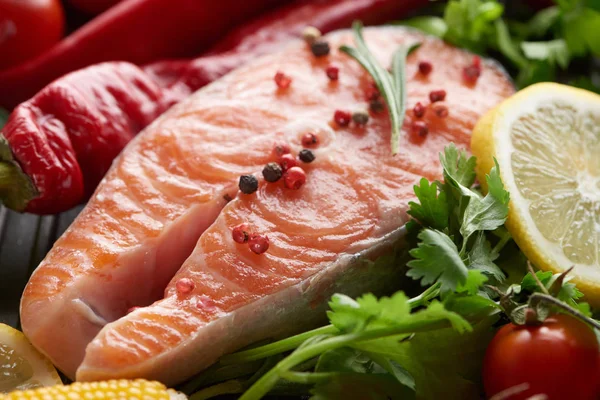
(536, 298)
(537, 280)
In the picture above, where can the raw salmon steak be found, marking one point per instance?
(148, 281)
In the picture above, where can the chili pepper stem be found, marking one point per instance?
(16, 189)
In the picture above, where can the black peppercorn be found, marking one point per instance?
(320, 48)
(306, 156)
(272, 172)
(360, 117)
(248, 184)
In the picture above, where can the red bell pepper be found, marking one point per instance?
(60, 143)
(138, 31)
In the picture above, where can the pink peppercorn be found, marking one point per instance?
(342, 118)
(309, 139)
(258, 243)
(240, 233)
(332, 72)
(419, 110)
(425, 67)
(294, 178)
(440, 110)
(287, 161)
(185, 286)
(418, 131)
(282, 80)
(437, 95)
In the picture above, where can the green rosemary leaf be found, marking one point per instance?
(391, 86)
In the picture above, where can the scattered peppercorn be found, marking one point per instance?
(360, 117)
(306, 156)
(272, 172)
(309, 139)
(320, 48)
(425, 67)
(294, 178)
(287, 161)
(310, 34)
(376, 106)
(332, 72)
(342, 118)
(248, 184)
(185, 286)
(282, 80)
(437, 95)
(440, 110)
(240, 233)
(419, 110)
(280, 149)
(258, 243)
(471, 73)
(419, 130)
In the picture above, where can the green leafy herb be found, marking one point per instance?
(437, 259)
(432, 209)
(366, 319)
(392, 86)
(536, 48)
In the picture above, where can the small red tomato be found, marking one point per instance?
(287, 161)
(558, 358)
(28, 28)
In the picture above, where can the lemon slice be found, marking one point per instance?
(21, 365)
(546, 139)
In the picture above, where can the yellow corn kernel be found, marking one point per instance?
(114, 389)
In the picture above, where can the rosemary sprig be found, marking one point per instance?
(392, 86)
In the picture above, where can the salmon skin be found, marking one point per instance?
(157, 234)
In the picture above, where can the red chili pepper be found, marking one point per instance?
(138, 31)
(58, 145)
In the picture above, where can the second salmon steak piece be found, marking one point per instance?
(170, 266)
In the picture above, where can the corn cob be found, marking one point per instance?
(114, 389)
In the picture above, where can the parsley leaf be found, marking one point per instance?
(488, 213)
(481, 257)
(437, 259)
(432, 209)
(457, 166)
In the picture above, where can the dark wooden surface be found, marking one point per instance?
(24, 241)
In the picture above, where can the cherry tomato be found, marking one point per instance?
(93, 7)
(28, 28)
(559, 358)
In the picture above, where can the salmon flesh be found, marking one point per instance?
(148, 282)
